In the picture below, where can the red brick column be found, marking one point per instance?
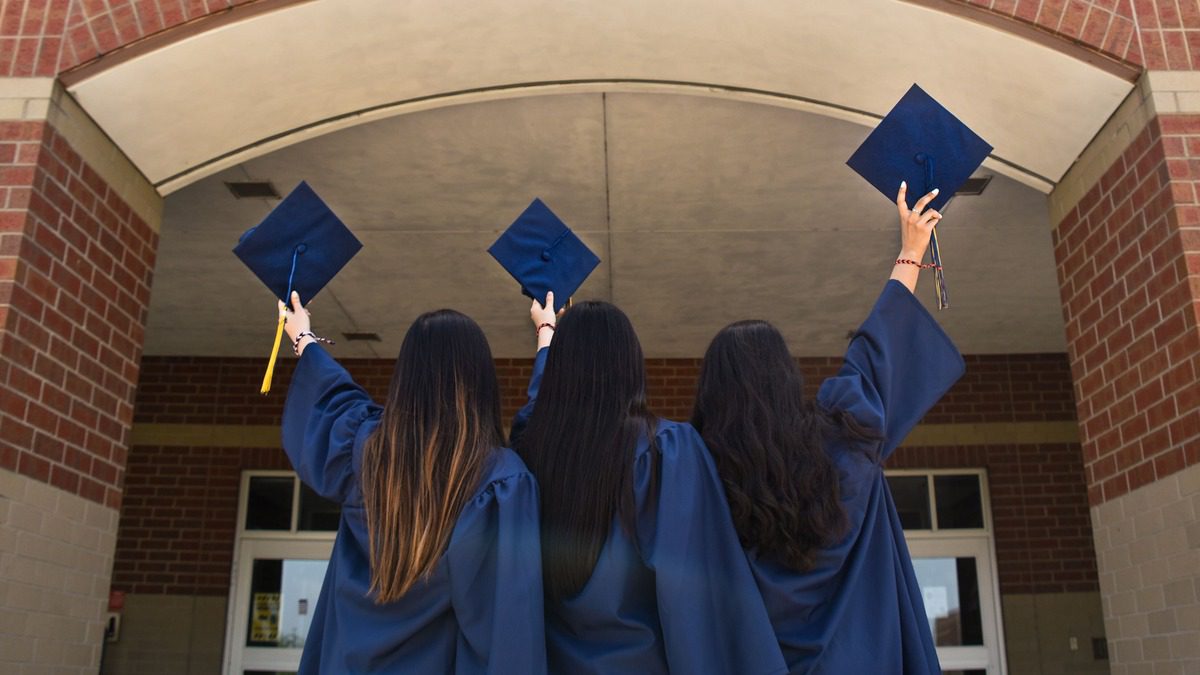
(1128, 257)
(75, 270)
(1129, 267)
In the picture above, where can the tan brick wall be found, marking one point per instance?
(1038, 628)
(177, 634)
(1148, 544)
(56, 553)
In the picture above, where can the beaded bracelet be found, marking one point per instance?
(314, 336)
(545, 325)
(929, 266)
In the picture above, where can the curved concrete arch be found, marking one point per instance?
(245, 88)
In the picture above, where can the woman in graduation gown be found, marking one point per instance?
(436, 567)
(805, 479)
(643, 569)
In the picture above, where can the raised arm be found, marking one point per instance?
(900, 362)
(323, 418)
(544, 321)
(916, 226)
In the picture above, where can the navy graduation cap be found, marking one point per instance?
(925, 145)
(543, 254)
(299, 246)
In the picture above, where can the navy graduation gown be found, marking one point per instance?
(859, 609)
(479, 612)
(679, 599)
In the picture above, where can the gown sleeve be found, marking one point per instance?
(898, 365)
(521, 419)
(712, 615)
(496, 581)
(322, 421)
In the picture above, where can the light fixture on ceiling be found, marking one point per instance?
(253, 189)
(974, 186)
(361, 337)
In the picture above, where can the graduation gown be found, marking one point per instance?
(675, 597)
(479, 612)
(859, 609)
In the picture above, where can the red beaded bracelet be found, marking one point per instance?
(905, 261)
(545, 325)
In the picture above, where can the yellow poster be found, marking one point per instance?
(264, 626)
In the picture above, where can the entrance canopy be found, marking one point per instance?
(697, 147)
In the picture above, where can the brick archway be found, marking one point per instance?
(1125, 220)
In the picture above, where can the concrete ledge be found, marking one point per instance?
(206, 435)
(41, 99)
(925, 435)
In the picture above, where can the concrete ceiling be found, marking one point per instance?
(223, 96)
(704, 211)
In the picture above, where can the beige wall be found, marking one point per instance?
(1038, 631)
(1148, 551)
(178, 634)
(56, 552)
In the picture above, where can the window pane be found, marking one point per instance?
(959, 503)
(283, 598)
(911, 494)
(269, 505)
(950, 590)
(316, 512)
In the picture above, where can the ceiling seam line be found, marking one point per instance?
(607, 195)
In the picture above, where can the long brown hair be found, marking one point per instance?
(591, 412)
(768, 444)
(440, 424)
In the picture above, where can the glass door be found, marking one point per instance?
(285, 538)
(275, 589)
(958, 587)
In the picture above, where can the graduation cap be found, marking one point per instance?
(299, 246)
(923, 144)
(543, 254)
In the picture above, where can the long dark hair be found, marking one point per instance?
(768, 444)
(579, 444)
(425, 460)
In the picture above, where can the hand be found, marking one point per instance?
(298, 319)
(916, 225)
(540, 314)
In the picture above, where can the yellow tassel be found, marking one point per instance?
(266, 384)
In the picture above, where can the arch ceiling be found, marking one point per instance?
(698, 146)
(220, 97)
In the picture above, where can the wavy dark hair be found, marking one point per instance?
(423, 463)
(580, 441)
(768, 444)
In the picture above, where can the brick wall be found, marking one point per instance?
(1129, 270)
(178, 523)
(75, 271)
(179, 518)
(201, 390)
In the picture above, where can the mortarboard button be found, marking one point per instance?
(299, 246)
(543, 255)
